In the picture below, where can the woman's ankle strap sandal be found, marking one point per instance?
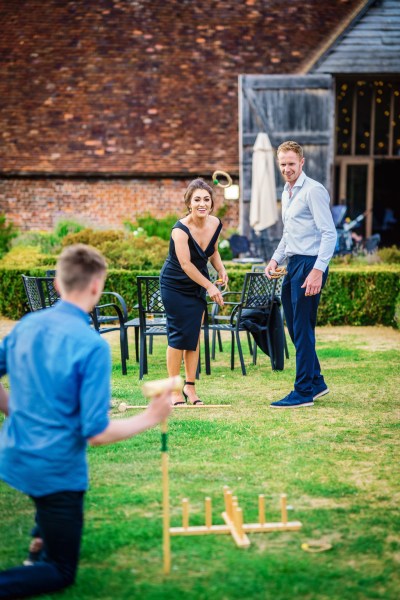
(197, 401)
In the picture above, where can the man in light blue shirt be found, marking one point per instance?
(308, 243)
(59, 374)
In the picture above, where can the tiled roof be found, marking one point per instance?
(141, 86)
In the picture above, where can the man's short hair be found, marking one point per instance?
(77, 265)
(291, 146)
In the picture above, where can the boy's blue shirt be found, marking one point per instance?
(59, 373)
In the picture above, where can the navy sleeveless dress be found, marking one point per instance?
(184, 299)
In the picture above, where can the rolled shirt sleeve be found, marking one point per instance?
(318, 202)
(279, 255)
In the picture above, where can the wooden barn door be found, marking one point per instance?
(286, 107)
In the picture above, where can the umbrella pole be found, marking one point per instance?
(165, 484)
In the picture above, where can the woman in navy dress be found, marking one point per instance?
(184, 282)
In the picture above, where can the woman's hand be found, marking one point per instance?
(223, 276)
(215, 294)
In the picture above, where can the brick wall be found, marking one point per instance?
(37, 204)
(140, 86)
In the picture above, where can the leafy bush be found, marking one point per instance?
(7, 233)
(352, 296)
(47, 242)
(123, 250)
(93, 237)
(390, 255)
(224, 249)
(26, 257)
(363, 295)
(43, 241)
(64, 227)
(154, 227)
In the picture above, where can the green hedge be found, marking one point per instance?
(13, 303)
(367, 295)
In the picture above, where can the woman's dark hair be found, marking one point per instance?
(198, 184)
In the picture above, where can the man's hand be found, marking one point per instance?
(313, 282)
(271, 266)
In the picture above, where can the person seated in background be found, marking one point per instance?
(59, 372)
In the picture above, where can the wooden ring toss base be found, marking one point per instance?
(232, 515)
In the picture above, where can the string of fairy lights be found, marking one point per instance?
(368, 118)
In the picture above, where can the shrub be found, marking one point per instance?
(153, 226)
(363, 296)
(7, 233)
(390, 255)
(44, 241)
(47, 242)
(123, 250)
(26, 257)
(64, 227)
(224, 249)
(92, 237)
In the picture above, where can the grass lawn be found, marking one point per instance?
(338, 463)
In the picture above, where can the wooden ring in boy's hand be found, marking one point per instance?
(159, 386)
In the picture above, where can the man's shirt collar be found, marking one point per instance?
(72, 309)
(299, 182)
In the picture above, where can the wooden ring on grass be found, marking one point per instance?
(315, 547)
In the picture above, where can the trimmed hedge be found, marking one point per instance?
(353, 295)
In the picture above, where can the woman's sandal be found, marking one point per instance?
(180, 403)
(197, 401)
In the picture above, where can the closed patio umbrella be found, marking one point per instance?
(263, 206)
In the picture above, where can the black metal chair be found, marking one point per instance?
(153, 321)
(213, 310)
(258, 294)
(152, 316)
(214, 315)
(41, 294)
(278, 294)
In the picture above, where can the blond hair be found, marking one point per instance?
(77, 265)
(291, 146)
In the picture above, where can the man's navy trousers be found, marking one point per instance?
(301, 317)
